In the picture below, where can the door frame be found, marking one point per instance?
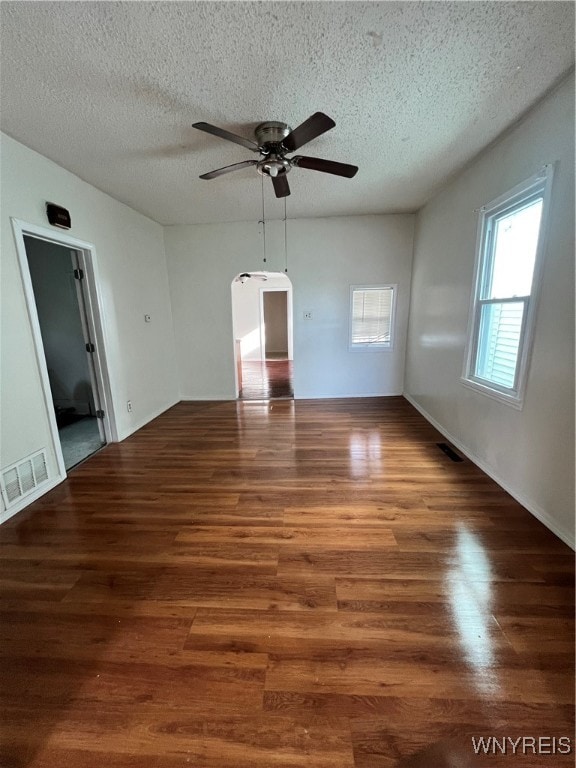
(94, 315)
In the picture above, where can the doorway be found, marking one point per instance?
(262, 316)
(59, 282)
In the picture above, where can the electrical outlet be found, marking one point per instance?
(129, 406)
(307, 315)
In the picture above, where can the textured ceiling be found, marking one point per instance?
(110, 91)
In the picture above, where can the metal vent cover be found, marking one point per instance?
(22, 478)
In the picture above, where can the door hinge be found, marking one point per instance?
(99, 414)
(90, 347)
(79, 274)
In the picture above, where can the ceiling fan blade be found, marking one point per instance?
(316, 124)
(281, 186)
(326, 166)
(228, 169)
(221, 133)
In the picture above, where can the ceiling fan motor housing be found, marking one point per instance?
(269, 136)
(271, 132)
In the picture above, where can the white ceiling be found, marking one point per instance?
(110, 91)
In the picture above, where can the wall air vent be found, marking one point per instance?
(20, 479)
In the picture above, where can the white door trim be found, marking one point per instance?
(94, 308)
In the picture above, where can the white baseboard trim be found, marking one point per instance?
(343, 395)
(147, 420)
(206, 398)
(6, 514)
(540, 514)
(297, 396)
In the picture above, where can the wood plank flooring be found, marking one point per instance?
(282, 584)
(266, 379)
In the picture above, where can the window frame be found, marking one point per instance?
(537, 186)
(370, 346)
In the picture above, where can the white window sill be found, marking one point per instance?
(515, 401)
(371, 347)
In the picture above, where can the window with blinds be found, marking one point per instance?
(371, 316)
(507, 275)
(500, 334)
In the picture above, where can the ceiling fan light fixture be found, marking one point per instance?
(273, 166)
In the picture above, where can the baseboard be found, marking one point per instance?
(207, 398)
(534, 509)
(6, 514)
(343, 395)
(297, 396)
(148, 419)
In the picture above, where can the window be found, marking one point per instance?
(510, 247)
(371, 316)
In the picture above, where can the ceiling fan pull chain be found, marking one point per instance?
(285, 241)
(263, 223)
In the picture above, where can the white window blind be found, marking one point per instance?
(371, 316)
(500, 334)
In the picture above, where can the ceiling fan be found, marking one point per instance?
(245, 276)
(273, 142)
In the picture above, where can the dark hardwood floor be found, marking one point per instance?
(266, 380)
(279, 585)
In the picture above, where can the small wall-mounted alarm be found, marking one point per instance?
(58, 216)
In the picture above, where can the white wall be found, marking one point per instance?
(530, 452)
(328, 256)
(325, 257)
(133, 282)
